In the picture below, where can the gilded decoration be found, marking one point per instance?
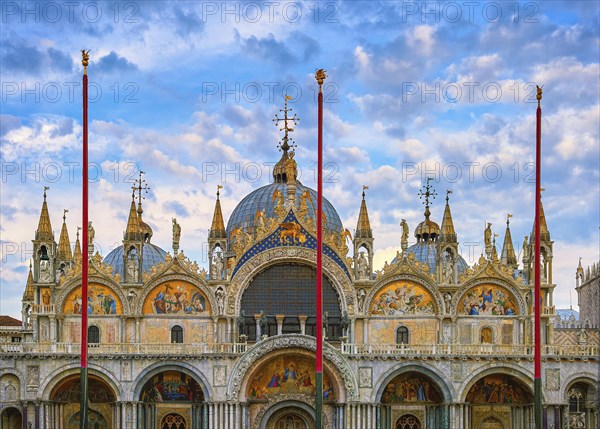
(488, 300)
(402, 298)
(176, 297)
(411, 387)
(102, 300)
(175, 264)
(169, 386)
(499, 389)
(289, 374)
(273, 344)
(290, 233)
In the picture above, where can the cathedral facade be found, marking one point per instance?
(424, 342)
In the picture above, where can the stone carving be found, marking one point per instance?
(33, 376)
(10, 391)
(553, 379)
(220, 295)
(365, 376)
(290, 341)
(45, 275)
(219, 375)
(362, 267)
(361, 300)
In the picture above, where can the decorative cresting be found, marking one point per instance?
(97, 278)
(172, 276)
(260, 261)
(178, 264)
(487, 268)
(271, 344)
(95, 266)
(408, 265)
(290, 233)
(516, 294)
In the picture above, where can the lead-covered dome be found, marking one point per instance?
(262, 199)
(152, 255)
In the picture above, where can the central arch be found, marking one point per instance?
(289, 414)
(289, 290)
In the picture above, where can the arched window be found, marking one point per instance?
(402, 335)
(487, 335)
(177, 334)
(93, 335)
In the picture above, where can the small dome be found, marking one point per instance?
(262, 199)
(152, 255)
(146, 231)
(427, 230)
(426, 252)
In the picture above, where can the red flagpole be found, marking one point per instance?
(537, 383)
(83, 422)
(320, 77)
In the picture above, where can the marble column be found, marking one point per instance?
(279, 318)
(302, 320)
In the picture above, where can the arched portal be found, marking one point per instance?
(499, 401)
(412, 398)
(288, 415)
(172, 399)
(11, 418)
(101, 401)
(289, 290)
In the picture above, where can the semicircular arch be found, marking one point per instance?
(412, 281)
(260, 262)
(103, 282)
(60, 374)
(174, 277)
(430, 371)
(244, 367)
(524, 376)
(149, 372)
(463, 291)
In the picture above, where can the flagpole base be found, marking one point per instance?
(83, 407)
(537, 393)
(319, 401)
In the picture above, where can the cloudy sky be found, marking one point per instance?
(186, 91)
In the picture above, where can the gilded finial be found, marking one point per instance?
(365, 187)
(539, 94)
(448, 192)
(78, 229)
(508, 216)
(429, 193)
(45, 189)
(219, 187)
(140, 185)
(320, 76)
(286, 142)
(65, 211)
(85, 59)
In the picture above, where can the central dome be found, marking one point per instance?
(262, 199)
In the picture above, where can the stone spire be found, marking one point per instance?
(77, 256)
(64, 245)
(132, 232)
(44, 229)
(29, 294)
(363, 226)
(448, 234)
(217, 228)
(544, 232)
(508, 251)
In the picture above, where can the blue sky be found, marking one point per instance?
(186, 91)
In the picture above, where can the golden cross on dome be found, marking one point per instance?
(429, 192)
(286, 128)
(139, 186)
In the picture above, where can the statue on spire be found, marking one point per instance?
(487, 239)
(176, 235)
